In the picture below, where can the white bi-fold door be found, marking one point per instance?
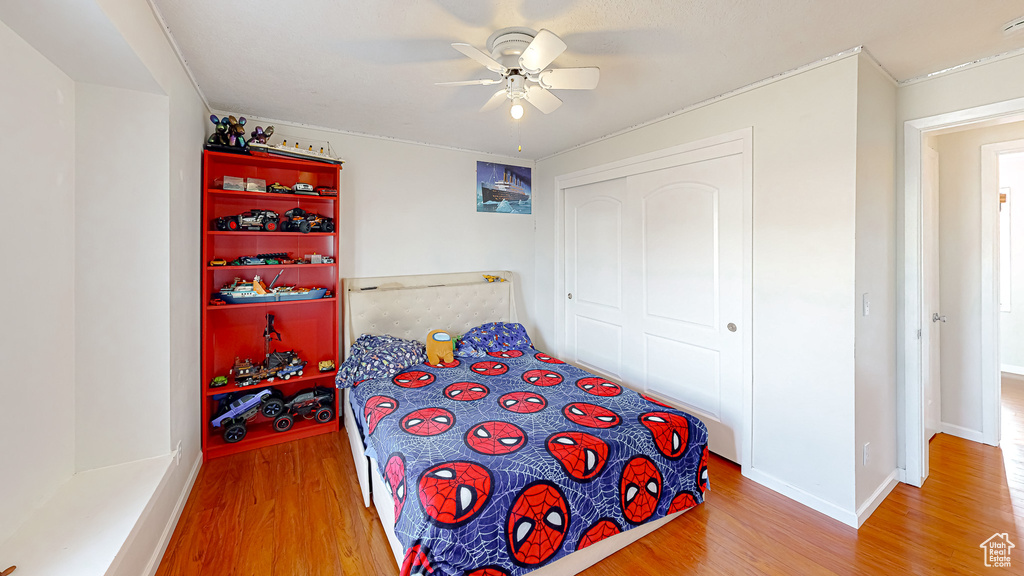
(654, 287)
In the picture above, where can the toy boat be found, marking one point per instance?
(246, 292)
(294, 152)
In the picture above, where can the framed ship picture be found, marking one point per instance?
(503, 188)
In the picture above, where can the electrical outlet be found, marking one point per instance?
(867, 305)
(867, 452)
(177, 454)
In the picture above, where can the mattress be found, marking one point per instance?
(498, 466)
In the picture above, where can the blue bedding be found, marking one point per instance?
(500, 465)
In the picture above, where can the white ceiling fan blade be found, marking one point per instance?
(497, 100)
(542, 51)
(570, 78)
(480, 82)
(543, 100)
(474, 53)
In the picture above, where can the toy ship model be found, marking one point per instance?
(253, 291)
(294, 152)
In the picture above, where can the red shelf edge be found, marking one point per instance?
(249, 266)
(228, 389)
(274, 195)
(258, 304)
(262, 437)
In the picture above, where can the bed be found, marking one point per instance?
(515, 463)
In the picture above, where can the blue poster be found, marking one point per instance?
(503, 189)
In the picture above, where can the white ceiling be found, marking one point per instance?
(370, 65)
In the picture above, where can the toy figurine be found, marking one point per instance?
(439, 348)
(260, 135)
(229, 131)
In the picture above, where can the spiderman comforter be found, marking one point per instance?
(500, 465)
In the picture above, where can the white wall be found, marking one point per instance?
(996, 81)
(397, 195)
(960, 270)
(1011, 324)
(803, 264)
(184, 125)
(876, 278)
(37, 293)
(122, 288)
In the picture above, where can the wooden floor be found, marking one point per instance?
(295, 510)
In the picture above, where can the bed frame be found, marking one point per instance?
(410, 307)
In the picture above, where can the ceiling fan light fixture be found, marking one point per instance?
(517, 109)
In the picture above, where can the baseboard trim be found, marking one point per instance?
(813, 502)
(1012, 369)
(879, 496)
(172, 522)
(961, 432)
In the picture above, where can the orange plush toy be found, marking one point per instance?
(439, 348)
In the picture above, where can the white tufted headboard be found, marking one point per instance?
(411, 306)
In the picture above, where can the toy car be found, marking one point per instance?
(284, 365)
(325, 191)
(327, 260)
(279, 188)
(252, 220)
(326, 365)
(236, 410)
(246, 374)
(317, 403)
(219, 381)
(218, 262)
(304, 189)
(298, 220)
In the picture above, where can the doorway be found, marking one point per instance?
(936, 326)
(656, 271)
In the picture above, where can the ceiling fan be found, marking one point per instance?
(521, 57)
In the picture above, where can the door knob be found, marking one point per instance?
(731, 327)
(937, 318)
(570, 295)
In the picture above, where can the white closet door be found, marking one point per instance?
(594, 270)
(654, 282)
(689, 291)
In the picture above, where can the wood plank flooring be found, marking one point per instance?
(295, 510)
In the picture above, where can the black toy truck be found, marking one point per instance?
(314, 403)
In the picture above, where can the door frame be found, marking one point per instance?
(705, 149)
(910, 388)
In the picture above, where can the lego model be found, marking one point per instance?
(325, 191)
(326, 366)
(218, 262)
(298, 220)
(286, 364)
(252, 220)
(315, 403)
(279, 188)
(236, 410)
(219, 381)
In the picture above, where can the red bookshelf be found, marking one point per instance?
(310, 327)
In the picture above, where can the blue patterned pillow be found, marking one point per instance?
(379, 357)
(493, 337)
